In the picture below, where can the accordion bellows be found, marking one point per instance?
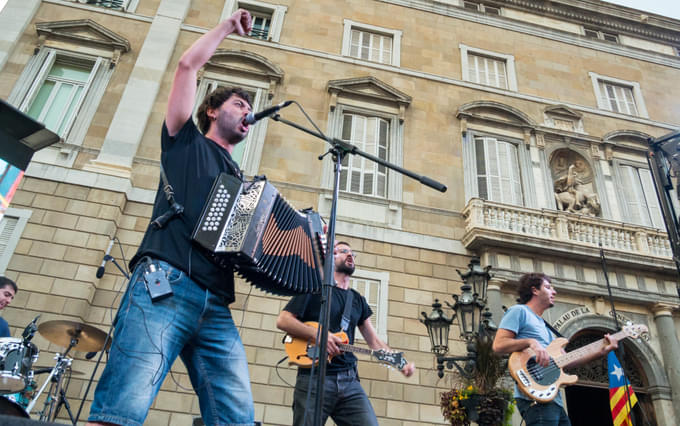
(270, 244)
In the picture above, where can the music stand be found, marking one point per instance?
(339, 149)
(21, 136)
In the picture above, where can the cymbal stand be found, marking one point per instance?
(56, 394)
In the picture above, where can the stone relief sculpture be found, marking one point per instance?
(572, 184)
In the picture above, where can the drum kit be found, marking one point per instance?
(18, 388)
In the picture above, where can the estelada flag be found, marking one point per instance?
(618, 397)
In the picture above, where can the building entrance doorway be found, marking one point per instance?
(588, 401)
(589, 406)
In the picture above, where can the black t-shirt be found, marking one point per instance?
(191, 162)
(306, 308)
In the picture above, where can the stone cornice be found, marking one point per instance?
(602, 15)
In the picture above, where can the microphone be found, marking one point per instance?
(107, 257)
(254, 117)
(30, 330)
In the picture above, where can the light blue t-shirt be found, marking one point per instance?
(524, 322)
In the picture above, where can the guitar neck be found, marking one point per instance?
(587, 350)
(355, 349)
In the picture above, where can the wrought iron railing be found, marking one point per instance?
(111, 4)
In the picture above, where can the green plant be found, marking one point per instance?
(479, 398)
(453, 408)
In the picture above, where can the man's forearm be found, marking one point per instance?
(510, 345)
(202, 50)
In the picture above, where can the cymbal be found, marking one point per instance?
(60, 332)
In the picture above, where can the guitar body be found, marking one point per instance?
(535, 381)
(299, 350)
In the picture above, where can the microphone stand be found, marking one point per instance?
(339, 149)
(104, 349)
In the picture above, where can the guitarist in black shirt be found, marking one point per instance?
(344, 399)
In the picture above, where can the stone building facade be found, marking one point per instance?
(535, 115)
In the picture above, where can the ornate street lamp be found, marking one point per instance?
(474, 320)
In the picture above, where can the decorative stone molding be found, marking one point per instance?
(369, 88)
(557, 116)
(246, 64)
(495, 112)
(629, 139)
(79, 33)
(662, 310)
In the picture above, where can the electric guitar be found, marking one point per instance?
(542, 383)
(303, 353)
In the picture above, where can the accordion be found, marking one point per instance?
(250, 227)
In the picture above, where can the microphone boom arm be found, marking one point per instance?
(346, 147)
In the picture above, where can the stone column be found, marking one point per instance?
(131, 116)
(14, 19)
(494, 300)
(670, 348)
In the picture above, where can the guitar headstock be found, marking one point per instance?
(395, 359)
(634, 330)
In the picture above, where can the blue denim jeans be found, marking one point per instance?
(344, 401)
(194, 324)
(537, 414)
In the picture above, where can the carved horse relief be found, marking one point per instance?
(573, 183)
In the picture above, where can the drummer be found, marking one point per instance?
(8, 289)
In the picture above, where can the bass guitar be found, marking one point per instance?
(303, 353)
(542, 383)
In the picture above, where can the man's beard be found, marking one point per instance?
(345, 268)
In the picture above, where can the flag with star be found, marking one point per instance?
(620, 401)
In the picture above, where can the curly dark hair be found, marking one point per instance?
(527, 282)
(214, 100)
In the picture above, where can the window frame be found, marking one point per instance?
(603, 103)
(509, 60)
(278, 12)
(380, 313)
(22, 216)
(33, 78)
(374, 167)
(618, 165)
(349, 25)
(470, 174)
(601, 35)
(481, 7)
(394, 143)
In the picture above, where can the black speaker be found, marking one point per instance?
(12, 414)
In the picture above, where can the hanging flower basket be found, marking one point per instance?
(479, 398)
(461, 407)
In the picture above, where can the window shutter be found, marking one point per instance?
(7, 227)
(650, 197)
(635, 200)
(50, 55)
(498, 174)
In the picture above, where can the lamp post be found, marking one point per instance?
(474, 320)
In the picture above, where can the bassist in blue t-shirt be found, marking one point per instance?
(523, 328)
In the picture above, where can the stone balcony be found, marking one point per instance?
(550, 232)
